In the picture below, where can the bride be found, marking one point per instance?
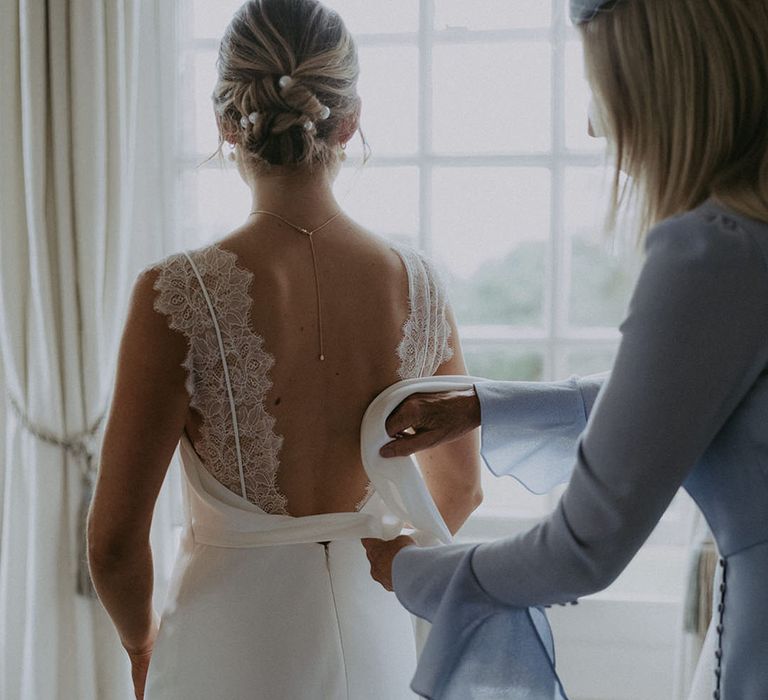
(258, 355)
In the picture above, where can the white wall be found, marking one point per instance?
(616, 649)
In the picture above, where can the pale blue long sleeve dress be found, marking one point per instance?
(686, 404)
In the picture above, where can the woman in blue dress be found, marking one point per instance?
(681, 87)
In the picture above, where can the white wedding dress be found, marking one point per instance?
(262, 604)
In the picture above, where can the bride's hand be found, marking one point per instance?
(381, 553)
(426, 420)
(139, 668)
(140, 658)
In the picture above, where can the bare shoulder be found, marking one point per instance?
(390, 253)
(372, 251)
(150, 347)
(143, 307)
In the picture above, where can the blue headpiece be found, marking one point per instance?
(583, 11)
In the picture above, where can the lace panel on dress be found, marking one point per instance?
(183, 301)
(426, 333)
(423, 348)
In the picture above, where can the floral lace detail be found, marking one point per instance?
(426, 333)
(423, 348)
(183, 301)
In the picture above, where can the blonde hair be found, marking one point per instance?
(298, 123)
(683, 86)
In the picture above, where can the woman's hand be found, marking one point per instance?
(381, 553)
(426, 420)
(139, 668)
(140, 658)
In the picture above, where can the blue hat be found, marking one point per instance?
(583, 11)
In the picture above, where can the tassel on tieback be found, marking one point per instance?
(79, 446)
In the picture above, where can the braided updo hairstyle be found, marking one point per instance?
(287, 83)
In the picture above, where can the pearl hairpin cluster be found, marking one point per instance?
(285, 82)
(252, 118)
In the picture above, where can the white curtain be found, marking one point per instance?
(2, 451)
(82, 195)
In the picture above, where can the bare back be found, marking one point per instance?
(274, 423)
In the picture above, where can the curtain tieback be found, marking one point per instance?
(81, 446)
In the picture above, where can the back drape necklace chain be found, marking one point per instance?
(309, 235)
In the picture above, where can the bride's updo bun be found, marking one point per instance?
(287, 83)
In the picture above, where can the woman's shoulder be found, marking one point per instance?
(180, 285)
(410, 251)
(182, 260)
(422, 268)
(713, 236)
(702, 267)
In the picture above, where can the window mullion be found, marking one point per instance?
(426, 36)
(558, 283)
(557, 288)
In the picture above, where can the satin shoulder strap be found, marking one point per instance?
(225, 366)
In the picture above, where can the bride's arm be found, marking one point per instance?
(147, 415)
(452, 470)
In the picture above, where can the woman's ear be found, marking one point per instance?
(226, 133)
(351, 124)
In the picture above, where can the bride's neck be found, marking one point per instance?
(304, 198)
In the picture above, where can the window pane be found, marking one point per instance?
(506, 497)
(491, 232)
(503, 362)
(492, 14)
(213, 202)
(601, 280)
(390, 106)
(209, 19)
(386, 200)
(492, 98)
(200, 135)
(582, 362)
(577, 94)
(380, 17)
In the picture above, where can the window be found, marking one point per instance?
(476, 114)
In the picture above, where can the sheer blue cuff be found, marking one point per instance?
(477, 647)
(530, 429)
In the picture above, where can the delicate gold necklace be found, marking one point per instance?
(308, 234)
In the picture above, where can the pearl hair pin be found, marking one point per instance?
(285, 81)
(252, 118)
